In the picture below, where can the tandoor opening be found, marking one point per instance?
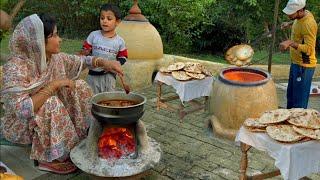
(243, 76)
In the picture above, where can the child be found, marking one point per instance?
(107, 44)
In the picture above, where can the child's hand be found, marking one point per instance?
(112, 66)
(85, 52)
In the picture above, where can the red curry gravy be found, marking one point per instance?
(117, 103)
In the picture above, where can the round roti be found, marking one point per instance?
(256, 130)
(239, 55)
(274, 116)
(295, 112)
(309, 118)
(193, 67)
(164, 70)
(180, 75)
(205, 70)
(196, 75)
(244, 52)
(283, 133)
(176, 66)
(311, 133)
(253, 123)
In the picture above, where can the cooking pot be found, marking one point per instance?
(118, 115)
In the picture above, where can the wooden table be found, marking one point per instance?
(163, 103)
(187, 91)
(244, 164)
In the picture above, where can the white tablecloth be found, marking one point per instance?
(187, 90)
(293, 160)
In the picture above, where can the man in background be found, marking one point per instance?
(302, 53)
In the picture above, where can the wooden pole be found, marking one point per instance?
(275, 18)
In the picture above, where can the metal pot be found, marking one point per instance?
(118, 115)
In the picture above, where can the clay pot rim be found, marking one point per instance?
(245, 69)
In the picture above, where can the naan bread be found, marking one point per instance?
(196, 75)
(311, 133)
(176, 66)
(253, 123)
(180, 75)
(283, 133)
(309, 118)
(193, 67)
(274, 116)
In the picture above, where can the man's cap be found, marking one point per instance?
(293, 6)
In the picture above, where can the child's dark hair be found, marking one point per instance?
(49, 22)
(111, 7)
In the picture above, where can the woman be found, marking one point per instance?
(43, 105)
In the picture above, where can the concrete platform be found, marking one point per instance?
(190, 149)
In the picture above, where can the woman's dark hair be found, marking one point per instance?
(49, 22)
(113, 8)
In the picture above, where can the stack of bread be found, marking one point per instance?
(239, 55)
(186, 71)
(287, 125)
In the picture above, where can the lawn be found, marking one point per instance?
(260, 57)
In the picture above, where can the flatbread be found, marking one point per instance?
(180, 75)
(244, 52)
(274, 116)
(196, 75)
(283, 133)
(297, 112)
(176, 66)
(239, 55)
(253, 123)
(256, 130)
(310, 118)
(205, 71)
(164, 70)
(193, 67)
(311, 133)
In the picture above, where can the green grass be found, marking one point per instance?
(72, 46)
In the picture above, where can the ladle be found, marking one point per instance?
(124, 85)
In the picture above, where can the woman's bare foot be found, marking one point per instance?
(65, 167)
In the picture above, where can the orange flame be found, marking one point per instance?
(116, 142)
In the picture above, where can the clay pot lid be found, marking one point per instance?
(135, 13)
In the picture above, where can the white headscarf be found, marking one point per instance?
(27, 47)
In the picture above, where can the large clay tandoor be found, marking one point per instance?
(142, 38)
(238, 94)
(145, 49)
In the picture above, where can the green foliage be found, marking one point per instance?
(3, 3)
(185, 25)
(177, 21)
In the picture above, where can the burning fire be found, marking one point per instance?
(116, 142)
(243, 76)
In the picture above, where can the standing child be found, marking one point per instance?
(107, 44)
